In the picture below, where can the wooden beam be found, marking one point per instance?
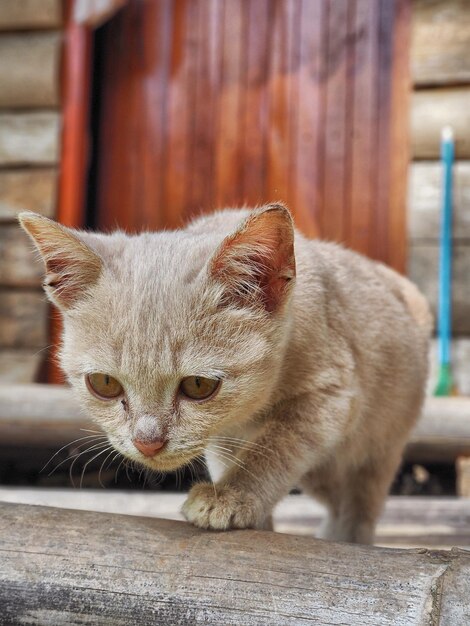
(440, 42)
(29, 138)
(406, 521)
(20, 265)
(27, 190)
(30, 14)
(431, 109)
(49, 412)
(23, 318)
(29, 71)
(81, 566)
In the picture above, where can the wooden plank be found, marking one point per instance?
(29, 70)
(442, 433)
(132, 569)
(27, 190)
(30, 14)
(440, 42)
(405, 522)
(431, 110)
(40, 414)
(424, 201)
(19, 262)
(23, 319)
(423, 270)
(29, 138)
(19, 366)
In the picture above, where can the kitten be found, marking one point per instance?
(284, 368)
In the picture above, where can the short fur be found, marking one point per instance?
(322, 375)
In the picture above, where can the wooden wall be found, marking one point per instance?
(440, 56)
(30, 45)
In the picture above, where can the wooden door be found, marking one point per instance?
(213, 103)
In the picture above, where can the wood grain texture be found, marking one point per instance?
(23, 319)
(54, 568)
(27, 190)
(431, 110)
(29, 70)
(30, 14)
(19, 366)
(423, 270)
(424, 201)
(440, 42)
(405, 522)
(208, 104)
(29, 138)
(19, 262)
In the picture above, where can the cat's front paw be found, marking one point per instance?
(221, 507)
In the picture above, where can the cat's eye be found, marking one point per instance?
(198, 387)
(104, 386)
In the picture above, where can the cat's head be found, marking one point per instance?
(169, 337)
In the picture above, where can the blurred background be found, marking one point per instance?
(143, 113)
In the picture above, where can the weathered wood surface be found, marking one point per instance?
(443, 429)
(406, 521)
(23, 319)
(431, 109)
(29, 138)
(424, 200)
(30, 14)
(19, 366)
(440, 42)
(19, 262)
(27, 190)
(423, 269)
(40, 414)
(61, 566)
(29, 70)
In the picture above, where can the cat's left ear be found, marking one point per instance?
(256, 264)
(71, 266)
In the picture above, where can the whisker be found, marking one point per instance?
(101, 468)
(67, 445)
(88, 463)
(95, 447)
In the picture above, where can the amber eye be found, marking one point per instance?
(199, 388)
(103, 386)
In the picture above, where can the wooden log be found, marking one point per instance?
(61, 566)
(29, 138)
(443, 433)
(424, 200)
(23, 319)
(29, 70)
(405, 522)
(423, 264)
(19, 263)
(440, 42)
(431, 109)
(30, 14)
(40, 414)
(27, 190)
(19, 366)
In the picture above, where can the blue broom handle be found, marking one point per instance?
(445, 261)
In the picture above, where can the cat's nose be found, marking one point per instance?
(148, 449)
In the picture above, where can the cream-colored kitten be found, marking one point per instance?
(285, 361)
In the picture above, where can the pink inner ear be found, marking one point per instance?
(258, 261)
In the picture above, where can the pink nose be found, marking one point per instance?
(149, 449)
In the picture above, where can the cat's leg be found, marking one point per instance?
(354, 499)
(265, 471)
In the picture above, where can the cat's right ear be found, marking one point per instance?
(71, 266)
